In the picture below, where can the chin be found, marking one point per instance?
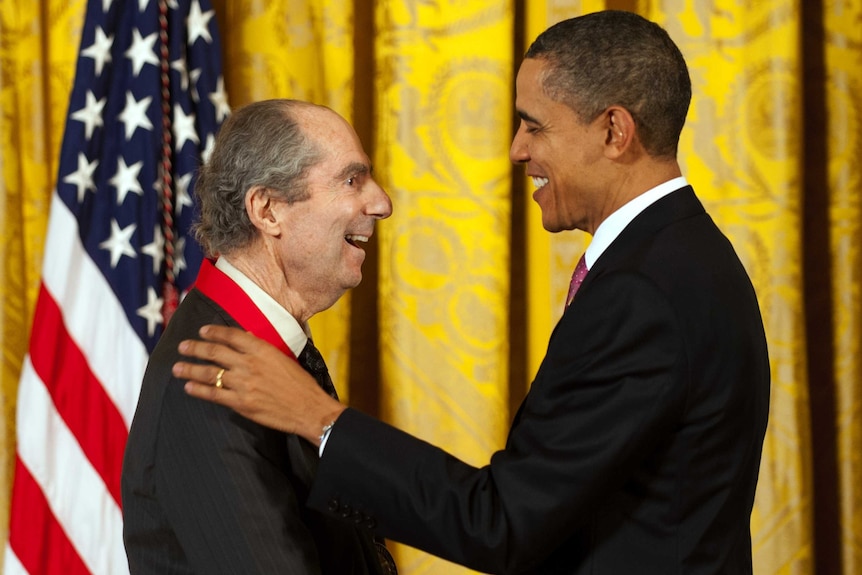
(352, 283)
(552, 227)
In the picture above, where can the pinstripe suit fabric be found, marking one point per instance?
(208, 491)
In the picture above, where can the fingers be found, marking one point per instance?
(207, 375)
(203, 382)
(220, 395)
(202, 390)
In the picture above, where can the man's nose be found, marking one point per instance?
(380, 205)
(519, 153)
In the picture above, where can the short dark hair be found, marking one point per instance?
(260, 144)
(618, 58)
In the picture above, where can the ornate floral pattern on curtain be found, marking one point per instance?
(843, 79)
(38, 48)
(740, 150)
(443, 115)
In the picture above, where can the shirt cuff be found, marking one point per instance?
(324, 437)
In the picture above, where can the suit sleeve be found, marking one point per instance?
(224, 485)
(611, 385)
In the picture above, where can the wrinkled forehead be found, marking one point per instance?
(327, 128)
(315, 119)
(340, 148)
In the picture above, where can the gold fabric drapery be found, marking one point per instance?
(745, 65)
(443, 88)
(38, 52)
(462, 286)
(839, 153)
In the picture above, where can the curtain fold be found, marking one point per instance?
(443, 114)
(843, 78)
(38, 48)
(462, 286)
(741, 152)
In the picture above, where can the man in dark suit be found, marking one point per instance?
(637, 449)
(286, 198)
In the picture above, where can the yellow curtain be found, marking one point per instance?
(443, 86)
(741, 152)
(38, 51)
(843, 152)
(462, 286)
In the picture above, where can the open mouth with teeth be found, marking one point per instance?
(354, 240)
(539, 182)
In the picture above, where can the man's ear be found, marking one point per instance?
(620, 126)
(259, 206)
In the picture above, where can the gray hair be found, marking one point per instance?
(618, 58)
(261, 144)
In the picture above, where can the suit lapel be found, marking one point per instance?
(677, 205)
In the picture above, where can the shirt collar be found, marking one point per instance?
(614, 224)
(293, 334)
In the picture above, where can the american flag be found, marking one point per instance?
(147, 100)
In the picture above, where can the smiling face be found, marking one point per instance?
(320, 244)
(563, 155)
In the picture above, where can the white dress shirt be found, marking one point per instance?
(615, 223)
(291, 332)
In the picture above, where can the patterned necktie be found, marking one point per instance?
(577, 277)
(313, 363)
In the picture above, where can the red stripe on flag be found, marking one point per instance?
(35, 535)
(77, 394)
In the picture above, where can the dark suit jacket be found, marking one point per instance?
(207, 491)
(637, 448)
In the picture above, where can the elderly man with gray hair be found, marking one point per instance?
(286, 200)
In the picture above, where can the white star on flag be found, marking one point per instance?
(193, 87)
(180, 254)
(99, 50)
(181, 193)
(83, 176)
(219, 100)
(152, 311)
(126, 179)
(180, 66)
(199, 23)
(90, 114)
(134, 115)
(156, 249)
(120, 242)
(184, 128)
(141, 51)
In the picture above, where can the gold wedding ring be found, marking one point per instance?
(219, 384)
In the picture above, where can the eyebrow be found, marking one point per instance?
(352, 169)
(527, 117)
